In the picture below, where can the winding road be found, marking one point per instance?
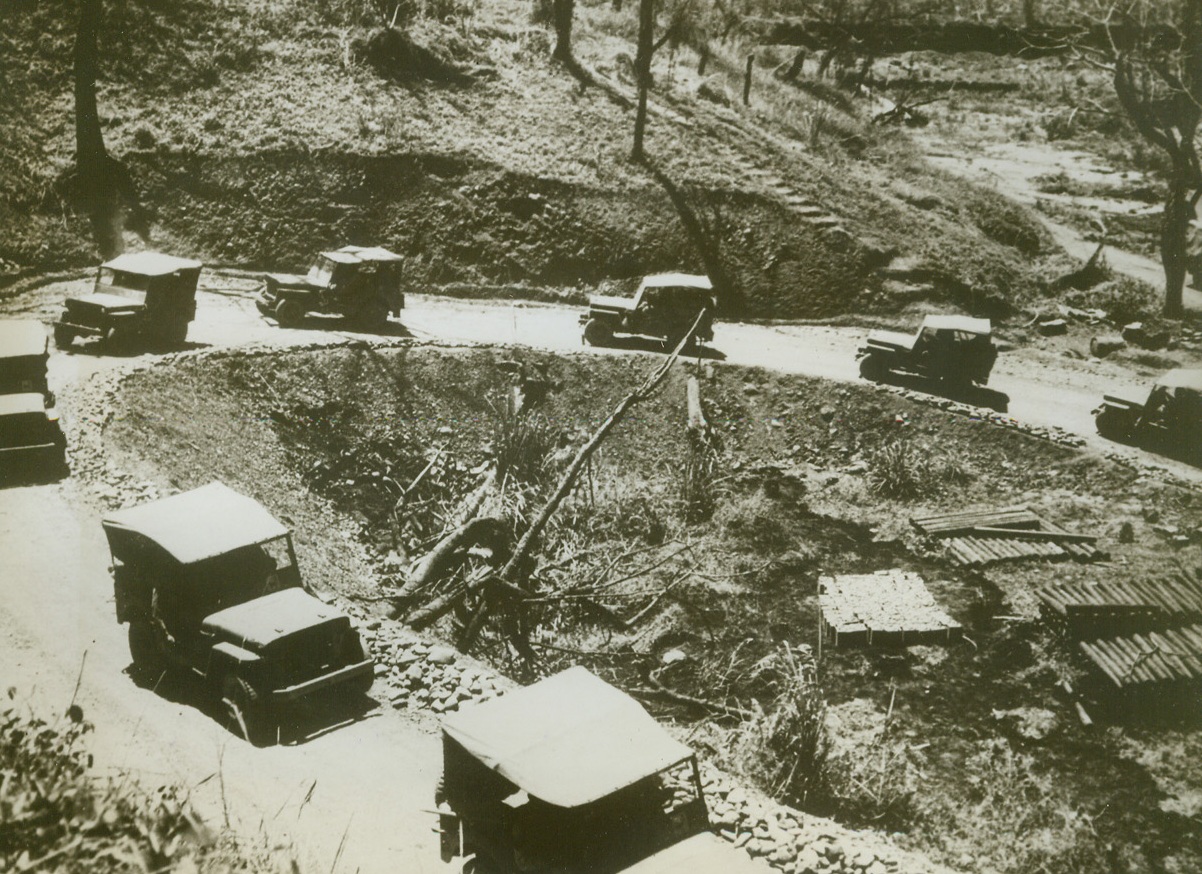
(355, 798)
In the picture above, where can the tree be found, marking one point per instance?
(102, 187)
(1154, 58)
(563, 11)
(682, 26)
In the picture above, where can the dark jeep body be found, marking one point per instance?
(208, 582)
(954, 349)
(32, 445)
(664, 308)
(361, 283)
(24, 353)
(144, 295)
(1169, 421)
(572, 775)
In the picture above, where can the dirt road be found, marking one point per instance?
(373, 779)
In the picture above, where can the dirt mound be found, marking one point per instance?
(395, 55)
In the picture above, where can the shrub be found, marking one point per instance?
(54, 807)
(1123, 300)
(903, 471)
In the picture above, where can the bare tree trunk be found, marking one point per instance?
(642, 73)
(1174, 243)
(563, 11)
(103, 188)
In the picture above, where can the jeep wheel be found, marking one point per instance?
(598, 333)
(1112, 425)
(289, 313)
(63, 336)
(248, 713)
(873, 368)
(146, 649)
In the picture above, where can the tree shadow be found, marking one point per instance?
(639, 343)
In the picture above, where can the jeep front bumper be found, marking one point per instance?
(364, 668)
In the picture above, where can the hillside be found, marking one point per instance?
(261, 133)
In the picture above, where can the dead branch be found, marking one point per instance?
(662, 692)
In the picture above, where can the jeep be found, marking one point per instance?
(24, 353)
(572, 775)
(664, 308)
(140, 296)
(1169, 421)
(954, 349)
(32, 445)
(361, 283)
(208, 582)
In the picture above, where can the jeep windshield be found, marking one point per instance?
(131, 285)
(322, 272)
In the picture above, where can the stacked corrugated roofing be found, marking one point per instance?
(983, 536)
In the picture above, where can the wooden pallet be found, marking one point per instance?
(887, 608)
(988, 535)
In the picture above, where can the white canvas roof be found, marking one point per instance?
(705, 853)
(20, 338)
(967, 324)
(569, 739)
(203, 523)
(21, 403)
(1183, 377)
(371, 253)
(677, 280)
(151, 263)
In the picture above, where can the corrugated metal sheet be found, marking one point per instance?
(1172, 656)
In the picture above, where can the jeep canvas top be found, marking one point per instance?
(203, 523)
(569, 739)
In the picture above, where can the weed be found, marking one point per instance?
(903, 471)
(784, 746)
(522, 445)
(697, 484)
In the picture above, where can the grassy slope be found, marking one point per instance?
(954, 768)
(257, 137)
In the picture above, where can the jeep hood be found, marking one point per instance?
(293, 280)
(108, 302)
(895, 339)
(255, 625)
(605, 302)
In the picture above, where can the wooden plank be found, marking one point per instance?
(1026, 534)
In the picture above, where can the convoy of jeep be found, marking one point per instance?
(143, 297)
(664, 308)
(207, 581)
(361, 283)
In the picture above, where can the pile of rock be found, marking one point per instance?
(1052, 434)
(796, 843)
(417, 675)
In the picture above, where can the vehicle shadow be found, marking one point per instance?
(34, 475)
(298, 722)
(974, 395)
(650, 344)
(101, 347)
(317, 322)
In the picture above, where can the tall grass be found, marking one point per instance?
(522, 445)
(783, 746)
(903, 471)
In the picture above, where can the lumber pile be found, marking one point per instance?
(892, 608)
(1172, 658)
(987, 535)
(1105, 608)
